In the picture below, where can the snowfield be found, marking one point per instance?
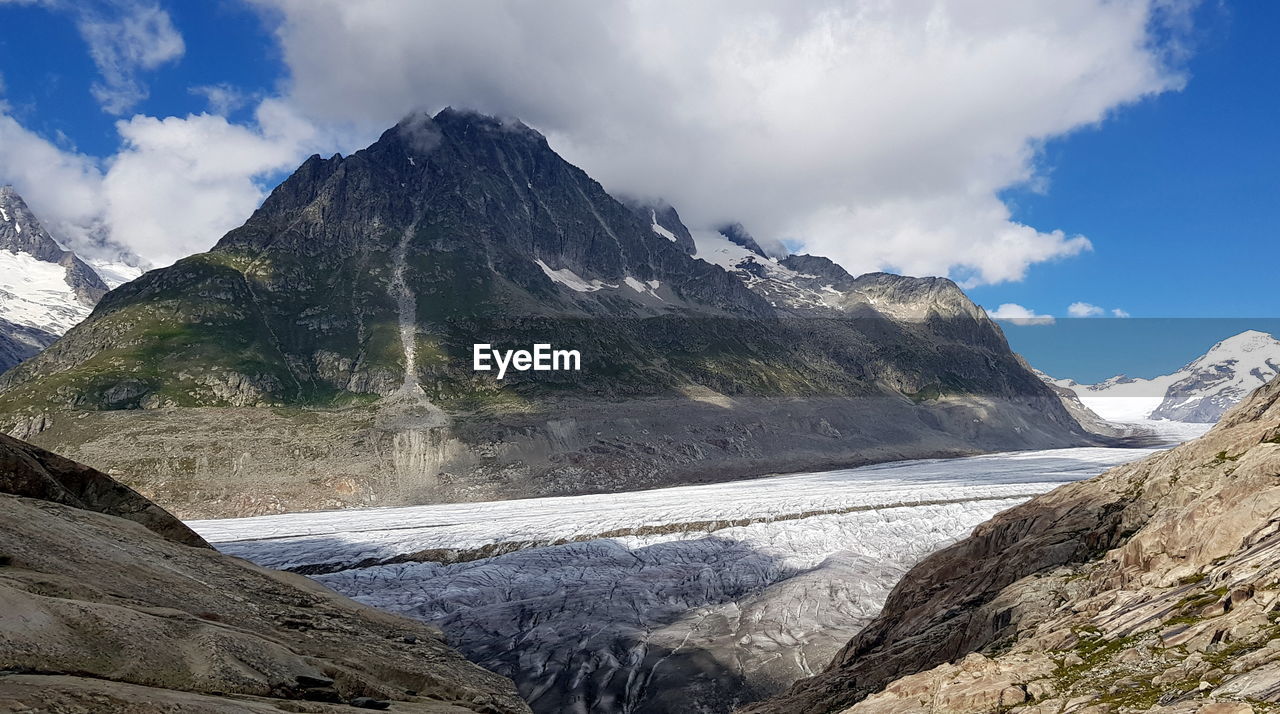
(35, 294)
(696, 598)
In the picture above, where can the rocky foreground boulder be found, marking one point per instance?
(1152, 587)
(109, 604)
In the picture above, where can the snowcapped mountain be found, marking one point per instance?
(44, 289)
(1198, 393)
(1222, 377)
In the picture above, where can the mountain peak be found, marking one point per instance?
(1247, 341)
(738, 235)
(22, 233)
(423, 132)
(44, 290)
(1200, 392)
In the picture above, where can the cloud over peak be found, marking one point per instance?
(877, 133)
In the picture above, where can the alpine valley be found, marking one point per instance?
(320, 355)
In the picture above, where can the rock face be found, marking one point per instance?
(665, 221)
(1149, 588)
(110, 604)
(347, 306)
(32, 472)
(44, 290)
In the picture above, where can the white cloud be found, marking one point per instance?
(125, 37)
(878, 133)
(176, 185)
(1019, 315)
(223, 98)
(1084, 309)
(63, 188)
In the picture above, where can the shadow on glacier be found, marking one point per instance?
(663, 621)
(604, 625)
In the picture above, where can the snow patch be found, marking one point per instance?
(36, 294)
(657, 228)
(572, 280)
(643, 288)
(115, 273)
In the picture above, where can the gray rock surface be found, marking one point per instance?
(98, 613)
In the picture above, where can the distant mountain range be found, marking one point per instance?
(44, 289)
(1199, 392)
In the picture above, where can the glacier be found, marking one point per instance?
(694, 598)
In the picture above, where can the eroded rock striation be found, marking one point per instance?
(1153, 587)
(107, 603)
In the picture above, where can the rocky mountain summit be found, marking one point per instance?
(1153, 587)
(107, 603)
(44, 289)
(322, 351)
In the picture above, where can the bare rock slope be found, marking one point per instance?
(1153, 587)
(107, 603)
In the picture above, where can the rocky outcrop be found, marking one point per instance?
(102, 614)
(32, 472)
(664, 220)
(1149, 588)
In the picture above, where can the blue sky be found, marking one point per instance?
(48, 71)
(1176, 190)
